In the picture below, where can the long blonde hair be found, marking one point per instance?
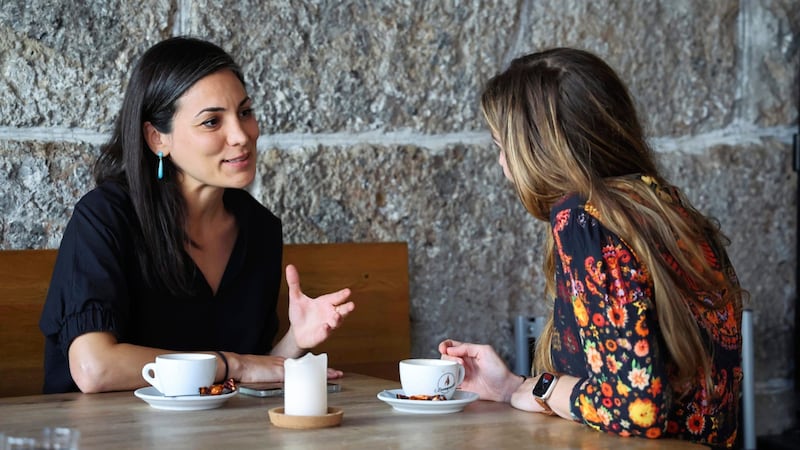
(567, 124)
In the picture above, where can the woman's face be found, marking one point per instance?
(502, 159)
(214, 134)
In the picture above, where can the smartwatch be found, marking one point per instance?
(541, 392)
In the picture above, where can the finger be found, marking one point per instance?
(345, 308)
(460, 351)
(334, 322)
(335, 298)
(333, 373)
(293, 281)
(447, 343)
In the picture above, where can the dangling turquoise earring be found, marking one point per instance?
(160, 165)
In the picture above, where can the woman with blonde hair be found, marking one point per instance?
(644, 336)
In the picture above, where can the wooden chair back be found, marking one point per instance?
(376, 335)
(24, 278)
(371, 341)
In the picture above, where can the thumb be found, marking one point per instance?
(293, 281)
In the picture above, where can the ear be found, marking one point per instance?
(156, 140)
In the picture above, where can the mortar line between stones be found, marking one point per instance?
(733, 135)
(745, 52)
(523, 22)
(182, 15)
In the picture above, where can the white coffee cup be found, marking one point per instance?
(430, 377)
(181, 373)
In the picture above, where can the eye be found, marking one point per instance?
(210, 123)
(247, 112)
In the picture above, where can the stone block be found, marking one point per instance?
(65, 64)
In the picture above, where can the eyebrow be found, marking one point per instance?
(219, 108)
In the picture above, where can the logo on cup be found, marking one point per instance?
(445, 382)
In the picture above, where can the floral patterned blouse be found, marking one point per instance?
(607, 334)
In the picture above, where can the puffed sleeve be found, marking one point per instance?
(89, 289)
(624, 388)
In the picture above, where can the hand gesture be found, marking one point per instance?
(313, 319)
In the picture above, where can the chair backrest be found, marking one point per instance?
(371, 341)
(526, 331)
(24, 278)
(376, 335)
(748, 382)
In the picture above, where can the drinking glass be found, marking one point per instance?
(50, 438)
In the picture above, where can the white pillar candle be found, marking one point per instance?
(305, 391)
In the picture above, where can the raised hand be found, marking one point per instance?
(313, 319)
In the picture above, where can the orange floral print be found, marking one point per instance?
(618, 316)
(642, 412)
(642, 348)
(581, 315)
(696, 423)
(588, 411)
(641, 328)
(606, 332)
(653, 433)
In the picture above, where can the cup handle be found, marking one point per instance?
(461, 374)
(150, 367)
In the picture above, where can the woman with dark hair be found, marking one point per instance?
(169, 252)
(644, 334)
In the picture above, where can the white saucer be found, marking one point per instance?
(185, 403)
(459, 401)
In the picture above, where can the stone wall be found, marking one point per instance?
(371, 132)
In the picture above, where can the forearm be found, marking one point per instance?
(287, 347)
(99, 364)
(109, 367)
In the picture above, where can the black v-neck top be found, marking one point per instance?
(98, 285)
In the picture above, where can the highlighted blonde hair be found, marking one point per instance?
(567, 124)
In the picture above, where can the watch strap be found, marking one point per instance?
(547, 410)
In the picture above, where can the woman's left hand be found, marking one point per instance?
(313, 319)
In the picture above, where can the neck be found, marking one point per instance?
(205, 213)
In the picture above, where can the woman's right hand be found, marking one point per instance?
(484, 372)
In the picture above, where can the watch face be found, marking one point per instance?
(543, 385)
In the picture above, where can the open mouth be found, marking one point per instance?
(236, 160)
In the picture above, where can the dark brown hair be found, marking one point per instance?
(159, 79)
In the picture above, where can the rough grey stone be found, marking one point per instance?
(41, 184)
(770, 76)
(65, 64)
(364, 64)
(678, 57)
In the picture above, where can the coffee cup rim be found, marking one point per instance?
(428, 362)
(185, 356)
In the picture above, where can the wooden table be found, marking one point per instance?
(119, 420)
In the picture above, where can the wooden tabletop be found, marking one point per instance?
(120, 420)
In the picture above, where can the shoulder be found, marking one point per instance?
(108, 201)
(576, 224)
(106, 194)
(571, 209)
